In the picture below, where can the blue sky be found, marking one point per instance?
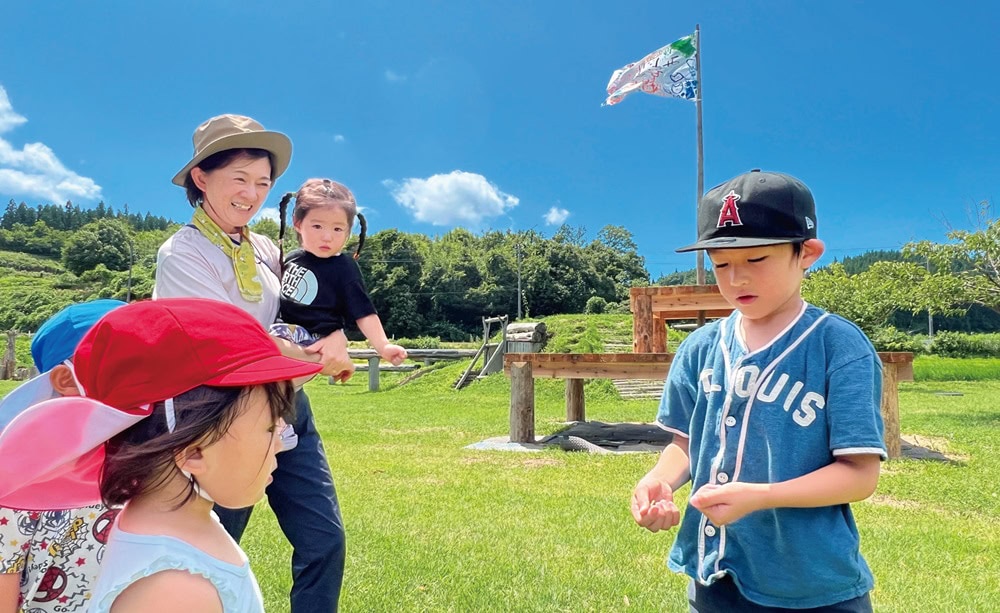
(487, 115)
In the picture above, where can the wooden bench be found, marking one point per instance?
(524, 368)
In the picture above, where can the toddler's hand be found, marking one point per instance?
(653, 505)
(394, 354)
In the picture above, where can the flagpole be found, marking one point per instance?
(701, 156)
(700, 262)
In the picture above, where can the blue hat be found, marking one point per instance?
(58, 337)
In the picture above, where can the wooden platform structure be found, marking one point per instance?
(524, 368)
(652, 307)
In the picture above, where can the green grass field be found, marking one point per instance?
(433, 526)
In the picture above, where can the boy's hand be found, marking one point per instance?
(393, 353)
(653, 505)
(724, 504)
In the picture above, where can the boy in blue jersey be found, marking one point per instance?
(776, 420)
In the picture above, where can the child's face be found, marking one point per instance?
(324, 231)
(761, 282)
(241, 462)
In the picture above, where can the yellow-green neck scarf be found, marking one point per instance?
(242, 255)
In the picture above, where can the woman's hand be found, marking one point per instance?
(332, 352)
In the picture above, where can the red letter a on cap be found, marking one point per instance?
(730, 214)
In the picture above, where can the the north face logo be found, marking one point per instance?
(730, 215)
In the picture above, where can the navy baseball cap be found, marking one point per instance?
(57, 338)
(753, 210)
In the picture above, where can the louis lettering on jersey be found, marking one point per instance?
(745, 385)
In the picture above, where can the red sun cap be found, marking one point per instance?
(153, 350)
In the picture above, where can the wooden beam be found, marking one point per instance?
(674, 302)
(574, 367)
(431, 354)
(595, 365)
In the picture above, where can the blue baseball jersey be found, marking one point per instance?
(766, 416)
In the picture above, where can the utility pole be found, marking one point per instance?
(131, 260)
(930, 315)
(518, 251)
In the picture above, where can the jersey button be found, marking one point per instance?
(730, 421)
(722, 477)
(710, 530)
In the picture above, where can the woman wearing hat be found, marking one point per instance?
(215, 256)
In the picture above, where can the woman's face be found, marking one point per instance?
(239, 465)
(235, 192)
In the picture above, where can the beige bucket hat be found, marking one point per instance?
(237, 132)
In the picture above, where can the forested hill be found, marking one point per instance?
(441, 286)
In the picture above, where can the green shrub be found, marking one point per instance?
(622, 307)
(891, 339)
(960, 345)
(595, 305)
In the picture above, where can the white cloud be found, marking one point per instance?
(394, 77)
(456, 198)
(8, 118)
(339, 138)
(556, 216)
(35, 170)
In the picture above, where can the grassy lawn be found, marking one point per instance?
(433, 526)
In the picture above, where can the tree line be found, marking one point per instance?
(443, 285)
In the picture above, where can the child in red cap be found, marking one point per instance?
(190, 397)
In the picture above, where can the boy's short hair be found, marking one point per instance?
(753, 210)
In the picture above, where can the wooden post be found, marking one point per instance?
(659, 333)
(890, 408)
(575, 402)
(10, 358)
(522, 403)
(373, 374)
(642, 323)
